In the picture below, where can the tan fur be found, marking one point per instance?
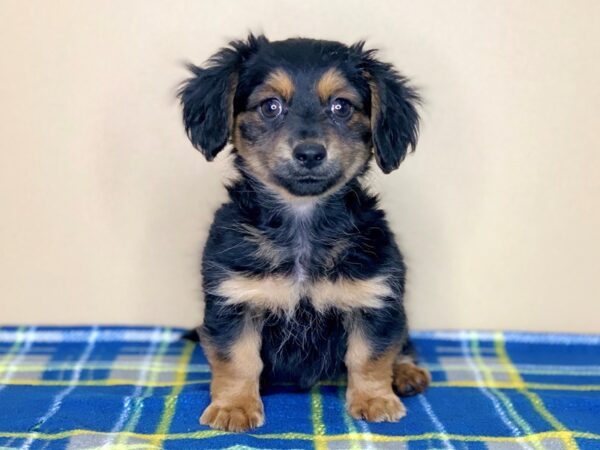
(256, 160)
(275, 293)
(375, 103)
(370, 395)
(233, 82)
(348, 294)
(375, 111)
(282, 294)
(277, 84)
(333, 84)
(266, 250)
(282, 83)
(359, 118)
(261, 157)
(352, 159)
(409, 379)
(234, 389)
(336, 253)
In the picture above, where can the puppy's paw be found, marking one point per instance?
(235, 415)
(386, 408)
(410, 379)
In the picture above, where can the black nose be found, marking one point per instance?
(310, 155)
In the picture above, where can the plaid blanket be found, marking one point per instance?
(144, 388)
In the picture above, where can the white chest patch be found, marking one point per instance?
(302, 214)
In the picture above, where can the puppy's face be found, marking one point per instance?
(304, 130)
(304, 116)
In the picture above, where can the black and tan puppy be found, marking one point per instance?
(302, 277)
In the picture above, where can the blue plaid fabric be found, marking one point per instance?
(144, 388)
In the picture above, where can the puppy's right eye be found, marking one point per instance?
(271, 108)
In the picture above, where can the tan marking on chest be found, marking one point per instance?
(347, 294)
(278, 293)
(272, 293)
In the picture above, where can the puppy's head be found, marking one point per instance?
(304, 115)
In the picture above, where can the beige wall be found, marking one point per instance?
(105, 204)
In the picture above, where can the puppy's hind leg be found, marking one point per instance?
(409, 379)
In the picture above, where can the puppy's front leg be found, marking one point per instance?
(370, 395)
(234, 388)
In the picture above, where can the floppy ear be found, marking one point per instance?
(207, 97)
(394, 116)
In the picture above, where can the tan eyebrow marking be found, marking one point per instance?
(329, 83)
(333, 83)
(280, 82)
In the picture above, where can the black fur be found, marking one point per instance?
(293, 351)
(306, 346)
(204, 97)
(397, 126)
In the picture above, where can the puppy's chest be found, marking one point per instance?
(299, 251)
(308, 276)
(299, 261)
(303, 256)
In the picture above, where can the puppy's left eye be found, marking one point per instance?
(341, 108)
(271, 108)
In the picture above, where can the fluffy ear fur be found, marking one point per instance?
(207, 97)
(394, 116)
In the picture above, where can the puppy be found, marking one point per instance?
(303, 280)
